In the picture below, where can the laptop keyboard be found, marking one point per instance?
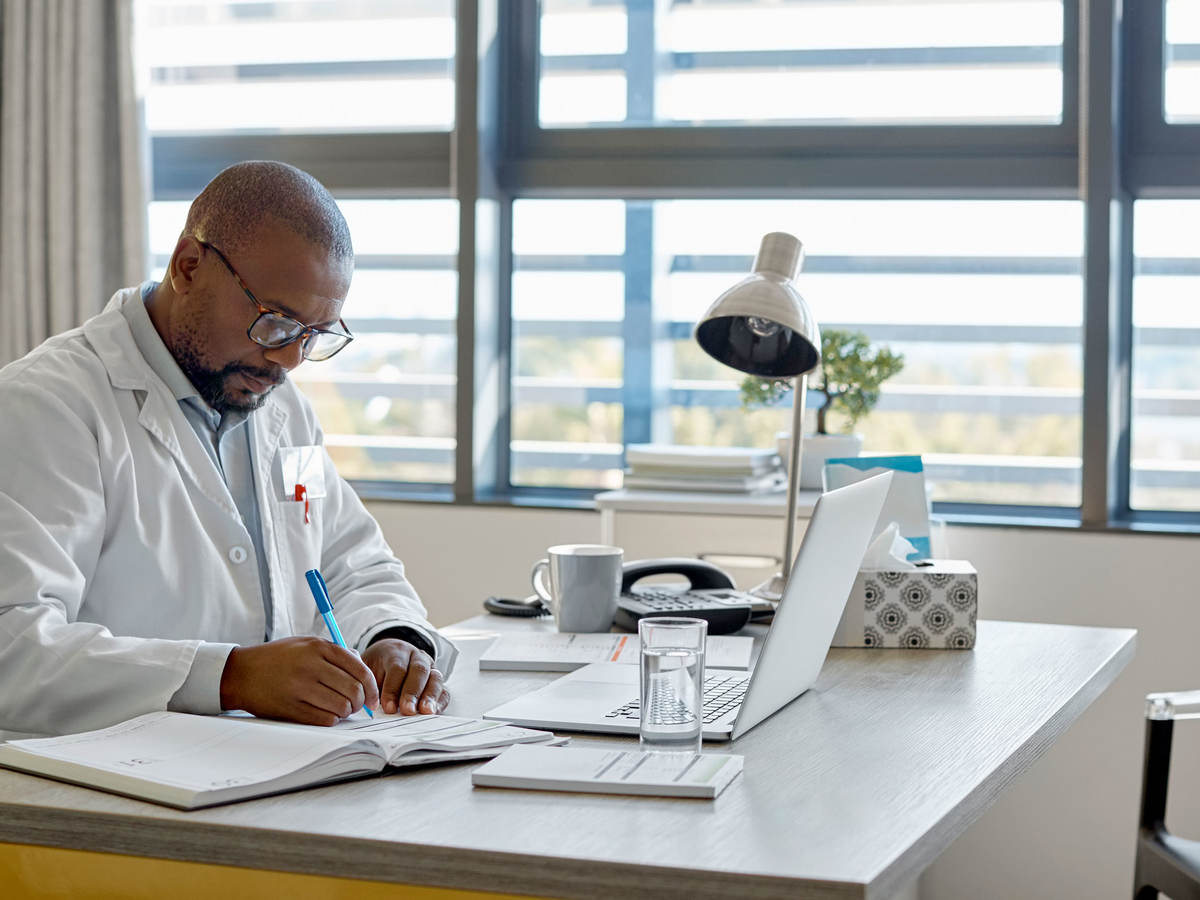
(722, 693)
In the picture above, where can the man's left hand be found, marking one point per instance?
(408, 682)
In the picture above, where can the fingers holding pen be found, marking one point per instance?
(349, 676)
(301, 679)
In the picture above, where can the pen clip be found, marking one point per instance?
(320, 592)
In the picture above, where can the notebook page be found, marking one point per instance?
(399, 734)
(197, 753)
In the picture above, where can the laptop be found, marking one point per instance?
(603, 697)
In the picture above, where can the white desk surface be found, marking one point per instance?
(701, 503)
(850, 791)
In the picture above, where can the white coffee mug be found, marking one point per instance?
(585, 582)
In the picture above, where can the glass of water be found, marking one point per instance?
(672, 684)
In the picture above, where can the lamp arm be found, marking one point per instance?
(793, 473)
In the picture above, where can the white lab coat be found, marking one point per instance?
(121, 549)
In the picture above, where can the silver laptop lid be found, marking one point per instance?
(819, 584)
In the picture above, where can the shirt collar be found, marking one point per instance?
(151, 345)
(160, 360)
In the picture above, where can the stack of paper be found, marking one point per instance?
(670, 467)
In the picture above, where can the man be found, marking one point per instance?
(163, 490)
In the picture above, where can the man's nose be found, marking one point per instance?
(288, 356)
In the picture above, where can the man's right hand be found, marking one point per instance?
(301, 679)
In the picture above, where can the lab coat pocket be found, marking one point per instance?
(299, 544)
(299, 524)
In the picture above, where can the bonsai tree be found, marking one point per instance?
(849, 378)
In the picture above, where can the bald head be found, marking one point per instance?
(230, 210)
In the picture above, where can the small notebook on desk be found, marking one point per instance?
(189, 761)
(701, 775)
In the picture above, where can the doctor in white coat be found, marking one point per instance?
(153, 548)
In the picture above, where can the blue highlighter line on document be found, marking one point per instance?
(320, 592)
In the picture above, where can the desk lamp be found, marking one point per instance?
(762, 326)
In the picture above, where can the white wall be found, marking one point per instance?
(1066, 828)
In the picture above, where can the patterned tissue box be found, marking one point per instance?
(932, 607)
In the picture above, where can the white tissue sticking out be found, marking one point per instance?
(888, 552)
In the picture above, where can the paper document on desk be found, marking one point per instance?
(553, 651)
(702, 775)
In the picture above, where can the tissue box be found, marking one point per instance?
(931, 607)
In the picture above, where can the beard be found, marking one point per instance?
(213, 384)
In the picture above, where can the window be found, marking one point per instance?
(545, 196)
(1165, 463)
(1164, 176)
(1182, 76)
(892, 126)
(801, 61)
(333, 84)
(984, 298)
(297, 65)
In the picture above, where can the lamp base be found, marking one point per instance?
(771, 589)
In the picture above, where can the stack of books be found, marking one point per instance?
(669, 467)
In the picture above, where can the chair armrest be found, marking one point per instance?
(1173, 705)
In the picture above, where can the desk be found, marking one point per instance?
(850, 791)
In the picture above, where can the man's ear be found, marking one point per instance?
(181, 270)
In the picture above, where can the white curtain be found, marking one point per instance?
(72, 183)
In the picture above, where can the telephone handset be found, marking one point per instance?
(709, 594)
(699, 573)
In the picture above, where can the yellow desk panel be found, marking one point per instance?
(41, 873)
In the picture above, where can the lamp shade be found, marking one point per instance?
(761, 325)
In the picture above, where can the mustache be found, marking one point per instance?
(271, 376)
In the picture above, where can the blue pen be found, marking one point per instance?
(320, 592)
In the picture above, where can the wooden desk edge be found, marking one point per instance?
(902, 871)
(386, 861)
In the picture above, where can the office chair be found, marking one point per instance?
(1164, 862)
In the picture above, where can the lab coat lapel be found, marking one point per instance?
(162, 417)
(159, 411)
(268, 432)
(269, 422)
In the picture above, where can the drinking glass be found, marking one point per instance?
(672, 683)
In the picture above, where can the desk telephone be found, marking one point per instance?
(709, 594)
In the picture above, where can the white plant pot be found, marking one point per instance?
(815, 449)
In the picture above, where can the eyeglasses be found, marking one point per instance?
(274, 330)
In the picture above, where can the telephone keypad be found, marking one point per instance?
(725, 612)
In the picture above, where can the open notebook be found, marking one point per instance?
(191, 761)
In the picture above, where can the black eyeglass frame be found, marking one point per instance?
(305, 331)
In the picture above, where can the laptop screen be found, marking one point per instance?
(841, 528)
